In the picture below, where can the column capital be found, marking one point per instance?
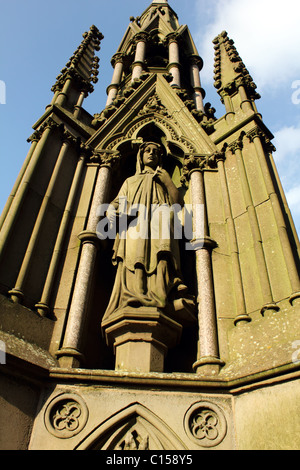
(118, 57)
(196, 60)
(142, 36)
(199, 163)
(68, 138)
(50, 124)
(265, 140)
(220, 156)
(173, 37)
(105, 158)
(237, 145)
(254, 133)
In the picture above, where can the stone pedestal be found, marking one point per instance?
(141, 338)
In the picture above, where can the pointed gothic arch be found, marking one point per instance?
(132, 428)
(155, 126)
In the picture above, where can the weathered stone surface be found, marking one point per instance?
(229, 381)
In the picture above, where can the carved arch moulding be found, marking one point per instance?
(133, 428)
(132, 131)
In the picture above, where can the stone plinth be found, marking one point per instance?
(141, 338)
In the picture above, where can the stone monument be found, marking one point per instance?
(119, 335)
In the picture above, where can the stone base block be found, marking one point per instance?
(141, 338)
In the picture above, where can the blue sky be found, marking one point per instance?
(38, 37)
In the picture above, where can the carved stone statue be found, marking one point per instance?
(146, 252)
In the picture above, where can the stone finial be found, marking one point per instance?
(82, 66)
(230, 75)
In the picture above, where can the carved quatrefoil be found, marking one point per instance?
(66, 415)
(205, 424)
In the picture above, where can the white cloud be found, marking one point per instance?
(287, 143)
(287, 156)
(266, 35)
(293, 198)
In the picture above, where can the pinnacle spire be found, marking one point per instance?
(159, 1)
(83, 64)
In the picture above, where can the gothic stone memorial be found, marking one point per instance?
(151, 298)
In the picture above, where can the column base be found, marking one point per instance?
(141, 338)
(295, 299)
(269, 309)
(242, 319)
(42, 309)
(16, 295)
(208, 366)
(70, 358)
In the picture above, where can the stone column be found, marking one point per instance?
(208, 361)
(174, 60)
(70, 354)
(140, 54)
(77, 107)
(226, 98)
(255, 136)
(34, 139)
(242, 315)
(246, 104)
(269, 305)
(19, 198)
(62, 96)
(43, 305)
(16, 294)
(195, 68)
(112, 90)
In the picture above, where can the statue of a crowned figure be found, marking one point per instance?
(146, 252)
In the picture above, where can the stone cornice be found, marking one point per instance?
(177, 381)
(34, 372)
(58, 115)
(257, 122)
(255, 132)
(48, 123)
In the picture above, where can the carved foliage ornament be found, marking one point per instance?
(154, 105)
(200, 163)
(105, 158)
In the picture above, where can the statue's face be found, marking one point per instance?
(151, 156)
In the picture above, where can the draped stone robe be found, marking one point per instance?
(146, 253)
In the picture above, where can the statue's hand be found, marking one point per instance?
(163, 176)
(166, 180)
